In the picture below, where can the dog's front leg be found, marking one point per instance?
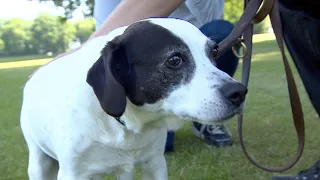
(155, 168)
(66, 175)
(126, 176)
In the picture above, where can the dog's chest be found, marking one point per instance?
(97, 159)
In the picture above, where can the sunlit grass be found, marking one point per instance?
(27, 63)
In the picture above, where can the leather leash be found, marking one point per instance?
(252, 15)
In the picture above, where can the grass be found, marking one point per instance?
(22, 58)
(23, 61)
(268, 130)
(26, 63)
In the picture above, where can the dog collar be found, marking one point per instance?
(120, 121)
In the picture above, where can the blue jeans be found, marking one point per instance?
(216, 30)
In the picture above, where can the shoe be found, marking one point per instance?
(217, 135)
(312, 173)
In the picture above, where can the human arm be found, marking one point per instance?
(206, 10)
(128, 12)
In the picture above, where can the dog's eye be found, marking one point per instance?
(174, 61)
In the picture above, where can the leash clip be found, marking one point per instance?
(240, 42)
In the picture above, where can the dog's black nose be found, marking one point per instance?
(235, 92)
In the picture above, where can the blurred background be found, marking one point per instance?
(46, 28)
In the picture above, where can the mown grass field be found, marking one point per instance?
(22, 58)
(269, 132)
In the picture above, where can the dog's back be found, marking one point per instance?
(51, 92)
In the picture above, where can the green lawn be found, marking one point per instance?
(23, 58)
(269, 133)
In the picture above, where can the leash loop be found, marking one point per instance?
(263, 11)
(244, 27)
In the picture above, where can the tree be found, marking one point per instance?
(70, 5)
(45, 33)
(84, 29)
(233, 9)
(262, 27)
(1, 47)
(50, 35)
(66, 36)
(1, 41)
(15, 36)
(2, 21)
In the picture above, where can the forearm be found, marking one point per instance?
(130, 11)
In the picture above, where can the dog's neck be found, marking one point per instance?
(137, 119)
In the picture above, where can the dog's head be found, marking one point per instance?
(165, 66)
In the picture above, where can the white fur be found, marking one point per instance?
(62, 120)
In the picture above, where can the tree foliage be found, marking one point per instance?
(232, 11)
(16, 36)
(49, 34)
(70, 6)
(1, 41)
(1, 46)
(84, 29)
(45, 34)
(67, 35)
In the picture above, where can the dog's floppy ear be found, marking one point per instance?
(108, 77)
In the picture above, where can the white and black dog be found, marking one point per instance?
(107, 107)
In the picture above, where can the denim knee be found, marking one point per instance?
(218, 30)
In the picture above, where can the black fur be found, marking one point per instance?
(108, 76)
(211, 50)
(133, 65)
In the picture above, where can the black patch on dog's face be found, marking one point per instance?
(211, 48)
(149, 46)
(137, 60)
